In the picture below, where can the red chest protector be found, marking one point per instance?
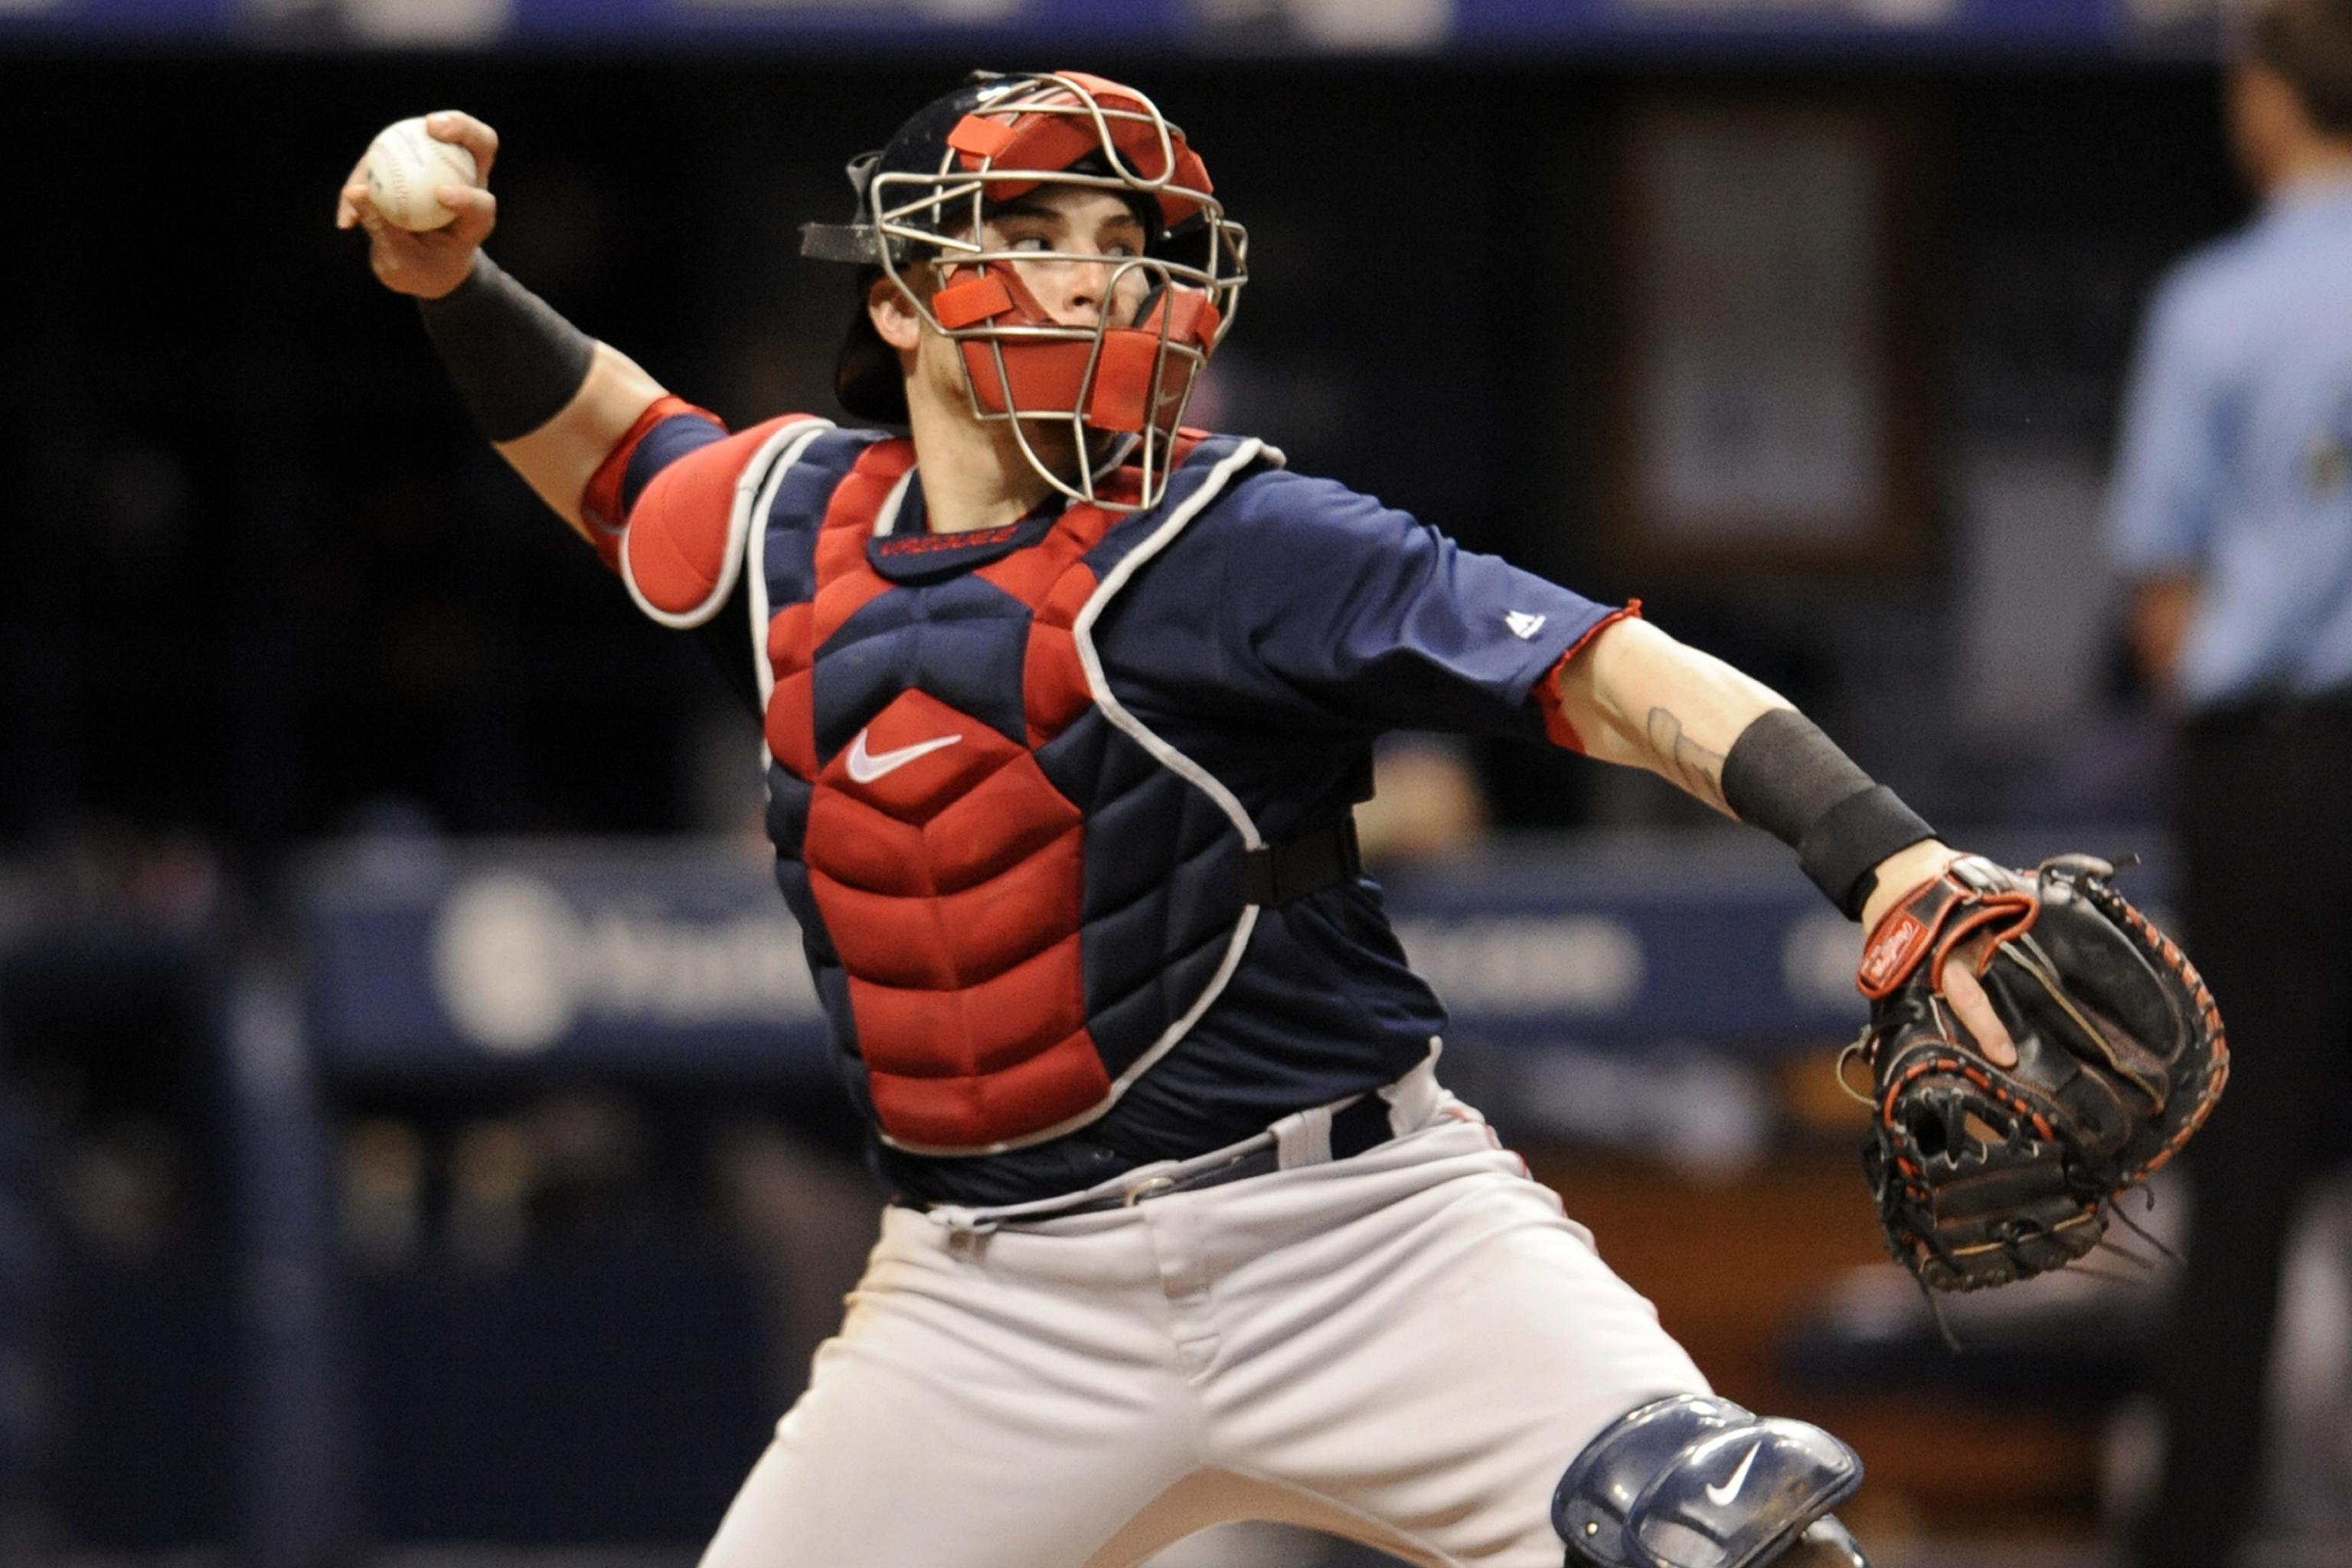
(1015, 898)
(946, 867)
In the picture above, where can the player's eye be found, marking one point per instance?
(1027, 242)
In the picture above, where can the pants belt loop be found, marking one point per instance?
(1304, 1138)
(957, 1219)
(1414, 1099)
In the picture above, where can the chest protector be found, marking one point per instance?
(1015, 898)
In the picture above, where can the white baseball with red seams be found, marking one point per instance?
(404, 162)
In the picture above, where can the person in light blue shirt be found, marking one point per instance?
(2233, 500)
(2231, 527)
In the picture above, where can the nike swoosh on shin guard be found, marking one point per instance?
(1721, 1496)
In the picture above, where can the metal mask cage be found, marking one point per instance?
(937, 218)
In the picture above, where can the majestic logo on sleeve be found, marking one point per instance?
(866, 766)
(1524, 626)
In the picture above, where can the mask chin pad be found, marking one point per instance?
(1049, 378)
(1046, 377)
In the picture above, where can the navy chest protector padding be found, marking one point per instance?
(1015, 899)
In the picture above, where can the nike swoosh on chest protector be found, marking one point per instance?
(866, 766)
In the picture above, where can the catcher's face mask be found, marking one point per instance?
(1126, 367)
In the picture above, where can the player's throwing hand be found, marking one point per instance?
(431, 262)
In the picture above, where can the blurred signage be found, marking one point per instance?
(519, 962)
(1221, 26)
(679, 959)
(2062, 27)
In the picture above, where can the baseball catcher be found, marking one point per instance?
(1982, 1173)
(1065, 706)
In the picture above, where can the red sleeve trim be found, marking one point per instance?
(600, 502)
(1556, 725)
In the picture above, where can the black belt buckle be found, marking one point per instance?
(1256, 1163)
(1151, 1189)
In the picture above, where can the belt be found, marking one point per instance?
(1355, 1126)
(1362, 1124)
(1318, 1135)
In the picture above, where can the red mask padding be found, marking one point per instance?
(1057, 140)
(974, 300)
(1048, 377)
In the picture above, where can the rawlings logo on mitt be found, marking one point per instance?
(1985, 1174)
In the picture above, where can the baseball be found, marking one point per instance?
(404, 163)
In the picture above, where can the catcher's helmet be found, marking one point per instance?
(921, 201)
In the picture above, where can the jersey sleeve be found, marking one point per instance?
(1326, 608)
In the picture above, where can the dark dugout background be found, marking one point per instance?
(259, 582)
(260, 585)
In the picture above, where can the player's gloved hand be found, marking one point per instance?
(430, 263)
(1898, 875)
(1989, 1167)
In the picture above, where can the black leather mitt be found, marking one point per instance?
(1983, 1174)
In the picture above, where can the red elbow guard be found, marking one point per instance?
(600, 515)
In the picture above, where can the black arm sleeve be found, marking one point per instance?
(1787, 778)
(515, 361)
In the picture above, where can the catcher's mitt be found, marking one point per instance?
(1985, 1174)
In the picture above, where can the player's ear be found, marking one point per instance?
(896, 320)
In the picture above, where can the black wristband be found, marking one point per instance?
(515, 361)
(1842, 851)
(1787, 778)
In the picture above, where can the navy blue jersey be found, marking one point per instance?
(1272, 641)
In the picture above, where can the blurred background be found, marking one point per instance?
(417, 1144)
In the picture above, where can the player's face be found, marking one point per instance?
(1079, 236)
